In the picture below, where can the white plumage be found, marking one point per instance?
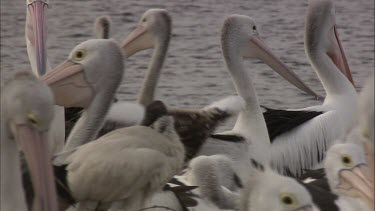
(303, 147)
(349, 177)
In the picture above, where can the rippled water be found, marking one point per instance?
(194, 73)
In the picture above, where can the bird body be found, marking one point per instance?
(26, 115)
(303, 147)
(133, 159)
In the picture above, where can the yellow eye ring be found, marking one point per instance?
(32, 118)
(289, 200)
(79, 55)
(346, 160)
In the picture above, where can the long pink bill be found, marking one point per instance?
(265, 54)
(359, 183)
(136, 41)
(35, 146)
(69, 85)
(338, 55)
(37, 10)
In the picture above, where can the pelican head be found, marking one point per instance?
(36, 32)
(94, 66)
(321, 35)
(153, 28)
(267, 190)
(240, 38)
(27, 111)
(348, 173)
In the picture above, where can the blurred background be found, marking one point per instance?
(194, 74)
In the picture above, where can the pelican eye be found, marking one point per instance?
(346, 160)
(79, 55)
(32, 119)
(289, 200)
(144, 19)
(365, 134)
(254, 28)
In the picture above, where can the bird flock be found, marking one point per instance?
(67, 143)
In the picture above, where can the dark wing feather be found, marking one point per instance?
(313, 173)
(228, 137)
(183, 193)
(65, 198)
(281, 121)
(195, 126)
(325, 200)
(62, 187)
(319, 176)
(71, 117)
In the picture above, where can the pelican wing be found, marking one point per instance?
(282, 121)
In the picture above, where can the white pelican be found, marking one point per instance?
(302, 145)
(36, 35)
(84, 69)
(240, 39)
(102, 27)
(349, 177)
(26, 114)
(267, 190)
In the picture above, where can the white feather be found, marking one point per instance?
(231, 104)
(126, 113)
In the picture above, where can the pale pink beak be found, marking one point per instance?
(134, 43)
(265, 54)
(338, 56)
(359, 182)
(305, 208)
(37, 9)
(35, 147)
(69, 85)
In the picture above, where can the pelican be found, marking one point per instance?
(102, 27)
(125, 166)
(216, 179)
(266, 190)
(240, 39)
(300, 144)
(26, 114)
(349, 177)
(91, 95)
(36, 35)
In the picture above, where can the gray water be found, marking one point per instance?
(194, 74)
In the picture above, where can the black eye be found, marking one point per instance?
(346, 160)
(79, 54)
(254, 28)
(33, 121)
(287, 200)
(144, 20)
